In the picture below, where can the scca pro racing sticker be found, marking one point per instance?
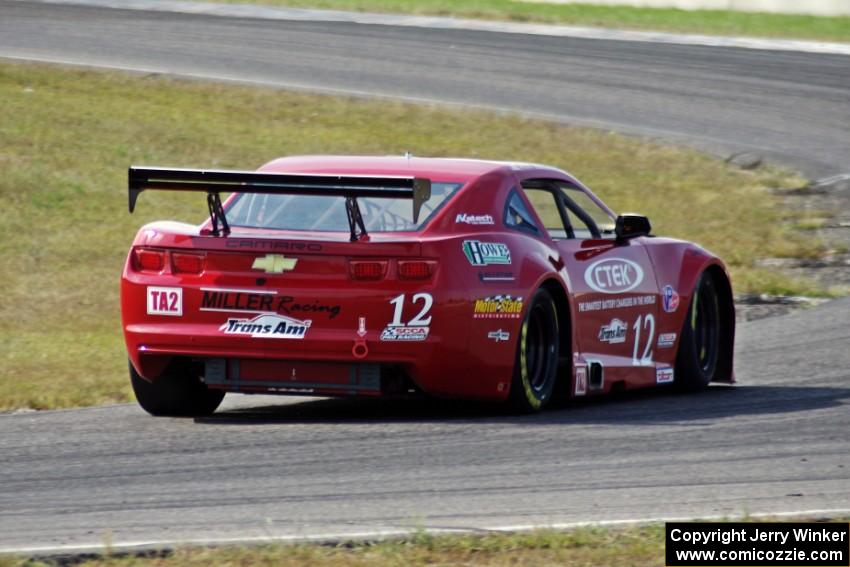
(165, 301)
(498, 307)
(486, 253)
(405, 333)
(267, 326)
(613, 275)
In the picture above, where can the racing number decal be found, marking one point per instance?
(646, 357)
(416, 329)
(422, 319)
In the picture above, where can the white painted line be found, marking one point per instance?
(336, 537)
(659, 520)
(436, 22)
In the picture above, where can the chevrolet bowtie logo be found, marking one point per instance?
(274, 263)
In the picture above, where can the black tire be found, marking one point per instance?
(698, 359)
(536, 366)
(178, 392)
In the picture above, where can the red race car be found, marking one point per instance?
(369, 276)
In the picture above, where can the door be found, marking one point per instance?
(614, 286)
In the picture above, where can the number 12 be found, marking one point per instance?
(646, 357)
(421, 320)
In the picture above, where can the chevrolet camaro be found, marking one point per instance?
(454, 278)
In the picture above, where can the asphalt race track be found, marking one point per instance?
(291, 468)
(775, 443)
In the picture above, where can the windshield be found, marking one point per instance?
(305, 212)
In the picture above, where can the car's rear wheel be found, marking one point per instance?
(536, 366)
(177, 392)
(699, 346)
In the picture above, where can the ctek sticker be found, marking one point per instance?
(165, 301)
(613, 275)
(486, 253)
(474, 219)
(267, 326)
(666, 340)
(664, 375)
(499, 335)
(581, 380)
(404, 333)
(498, 307)
(670, 299)
(614, 332)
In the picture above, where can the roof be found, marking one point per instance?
(436, 169)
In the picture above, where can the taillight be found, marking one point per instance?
(416, 269)
(367, 269)
(183, 263)
(148, 260)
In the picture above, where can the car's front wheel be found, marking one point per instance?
(536, 366)
(178, 392)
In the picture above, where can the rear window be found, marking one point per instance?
(327, 214)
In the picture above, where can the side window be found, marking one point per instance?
(587, 218)
(568, 211)
(544, 201)
(517, 215)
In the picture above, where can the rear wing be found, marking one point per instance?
(214, 182)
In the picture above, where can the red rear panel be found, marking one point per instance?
(289, 300)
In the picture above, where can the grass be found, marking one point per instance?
(811, 223)
(714, 22)
(637, 547)
(67, 137)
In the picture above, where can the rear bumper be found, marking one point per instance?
(325, 365)
(329, 363)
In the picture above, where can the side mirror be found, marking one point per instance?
(631, 225)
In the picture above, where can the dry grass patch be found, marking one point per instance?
(591, 547)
